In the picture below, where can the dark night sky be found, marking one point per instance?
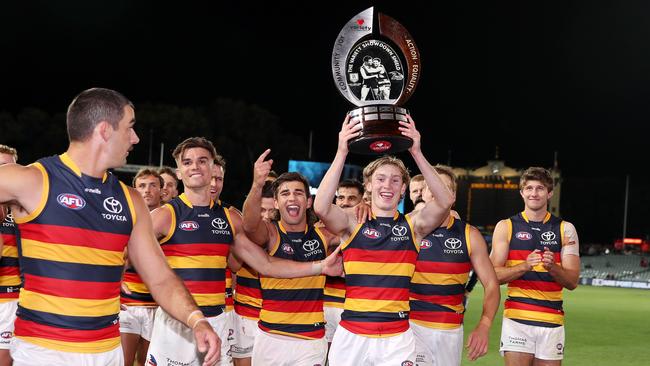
(530, 77)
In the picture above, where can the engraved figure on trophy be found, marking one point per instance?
(376, 67)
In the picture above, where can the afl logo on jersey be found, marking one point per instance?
(70, 200)
(522, 235)
(188, 226)
(287, 249)
(371, 233)
(425, 244)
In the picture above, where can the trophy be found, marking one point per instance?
(376, 67)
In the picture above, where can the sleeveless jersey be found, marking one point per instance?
(72, 250)
(9, 269)
(334, 293)
(294, 306)
(534, 298)
(248, 294)
(379, 261)
(140, 295)
(197, 247)
(230, 301)
(438, 285)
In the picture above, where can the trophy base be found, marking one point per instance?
(380, 133)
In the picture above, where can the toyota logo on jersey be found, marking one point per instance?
(112, 205)
(548, 236)
(219, 223)
(453, 243)
(399, 230)
(310, 245)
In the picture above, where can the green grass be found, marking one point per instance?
(604, 327)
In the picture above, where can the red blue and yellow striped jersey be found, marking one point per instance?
(197, 248)
(379, 261)
(294, 306)
(9, 269)
(72, 249)
(334, 292)
(140, 295)
(441, 272)
(230, 301)
(534, 298)
(248, 294)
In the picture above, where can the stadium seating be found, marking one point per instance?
(614, 266)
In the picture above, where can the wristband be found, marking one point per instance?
(198, 321)
(193, 314)
(317, 267)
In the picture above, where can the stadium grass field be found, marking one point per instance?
(604, 327)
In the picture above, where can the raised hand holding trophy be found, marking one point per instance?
(376, 66)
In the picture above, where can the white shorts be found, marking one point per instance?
(439, 347)
(137, 320)
(332, 319)
(245, 331)
(172, 342)
(349, 349)
(7, 319)
(28, 354)
(277, 350)
(544, 343)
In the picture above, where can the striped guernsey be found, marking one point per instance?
(72, 259)
(197, 247)
(379, 261)
(534, 298)
(9, 269)
(294, 306)
(441, 272)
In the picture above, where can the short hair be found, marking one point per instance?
(369, 170)
(267, 190)
(220, 161)
(446, 170)
(169, 171)
(539, 174)
(290, 177)
(417, 178)
(4, 149)
(376, 59)
(193, 142)
(366, 58)
(147, 171)
(352, 183)
(273, 174)
(91, 107)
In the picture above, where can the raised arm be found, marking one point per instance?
(477, 342)
(567, 273)
(334, 218)
(435, 211)
(255, 228)
(167, 288)
(499, 255)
